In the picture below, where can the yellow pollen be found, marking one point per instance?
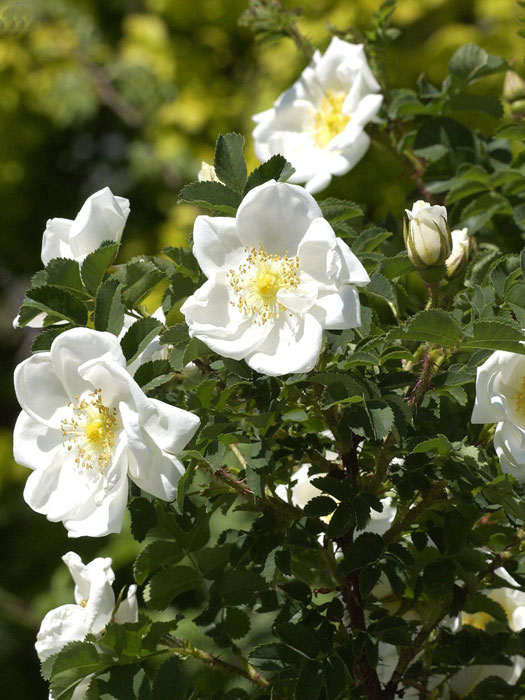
(95, 430)
(258, 279)
(267, 283)
(520, 398)
(329, 120)
(83, 602)
(90, 431)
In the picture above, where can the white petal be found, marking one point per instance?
(509, 443)
(171, 428)
(486, 409)
(300, 299)
(55, 241)
(318, 182)
(212, 318)
(292, 346)
(315, 252)
(84, 574)
(62, 625)
(128, 610)
(101, 218)
(77, 346)
(34, 442)
(39, 390)
(276, 215)
(338, 310)
(216, 244)
(160, 476)
(353, 271)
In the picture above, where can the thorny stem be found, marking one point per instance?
(187, 650)
(413, 513)
(423, 382)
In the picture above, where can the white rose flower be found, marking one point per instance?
(86, 426)
(102, 218)
(94, 607)
(500, 398)
(318, 123)
(277, 275)
(427, 236)
(457, 259)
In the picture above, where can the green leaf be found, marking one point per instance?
(229, 161)
(59, 302)
(392, 630)
(320, 505)
(157, 555)
(64, 272)
(139, 277)
(381, 417)
(238, 586)
(43, 340)
(138, 335)
(310, 681)
(300, 638)
(109, 309)
(72, 664)
(211, 195)
(169, 583)
(339, 209)
(495, 335)
(341, 521)
(236, 623)
(95, 265)
(276, 168)
(440, 445)
(365, 550)
(470, 62)
(379, 286)
(175, 335)
(433, 326)
(143, 517)
(482, 103)
(395, 267)
(152, 374)
(170, 682)
(273, 657)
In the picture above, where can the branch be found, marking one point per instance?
(186, 650)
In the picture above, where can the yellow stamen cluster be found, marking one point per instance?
(90, 431)
(520, 398)
(257, 281)
(329, 120)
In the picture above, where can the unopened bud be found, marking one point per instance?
(457, 260)
(513, 87)
(427, 235)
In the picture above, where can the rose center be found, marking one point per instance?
(329, 120)
(90, 430)
(258, 279)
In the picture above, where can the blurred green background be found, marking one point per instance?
(132, 94)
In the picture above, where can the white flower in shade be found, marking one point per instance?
(427, 235)
(86, 426)
(277, 275)
(500, 398)
(513, 603)
(94, 607)
(303, 490)
(101, 218)
(318, 124)
(457, 260)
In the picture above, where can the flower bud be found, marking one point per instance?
(513, 87)
(427, 235)
(457, 260)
